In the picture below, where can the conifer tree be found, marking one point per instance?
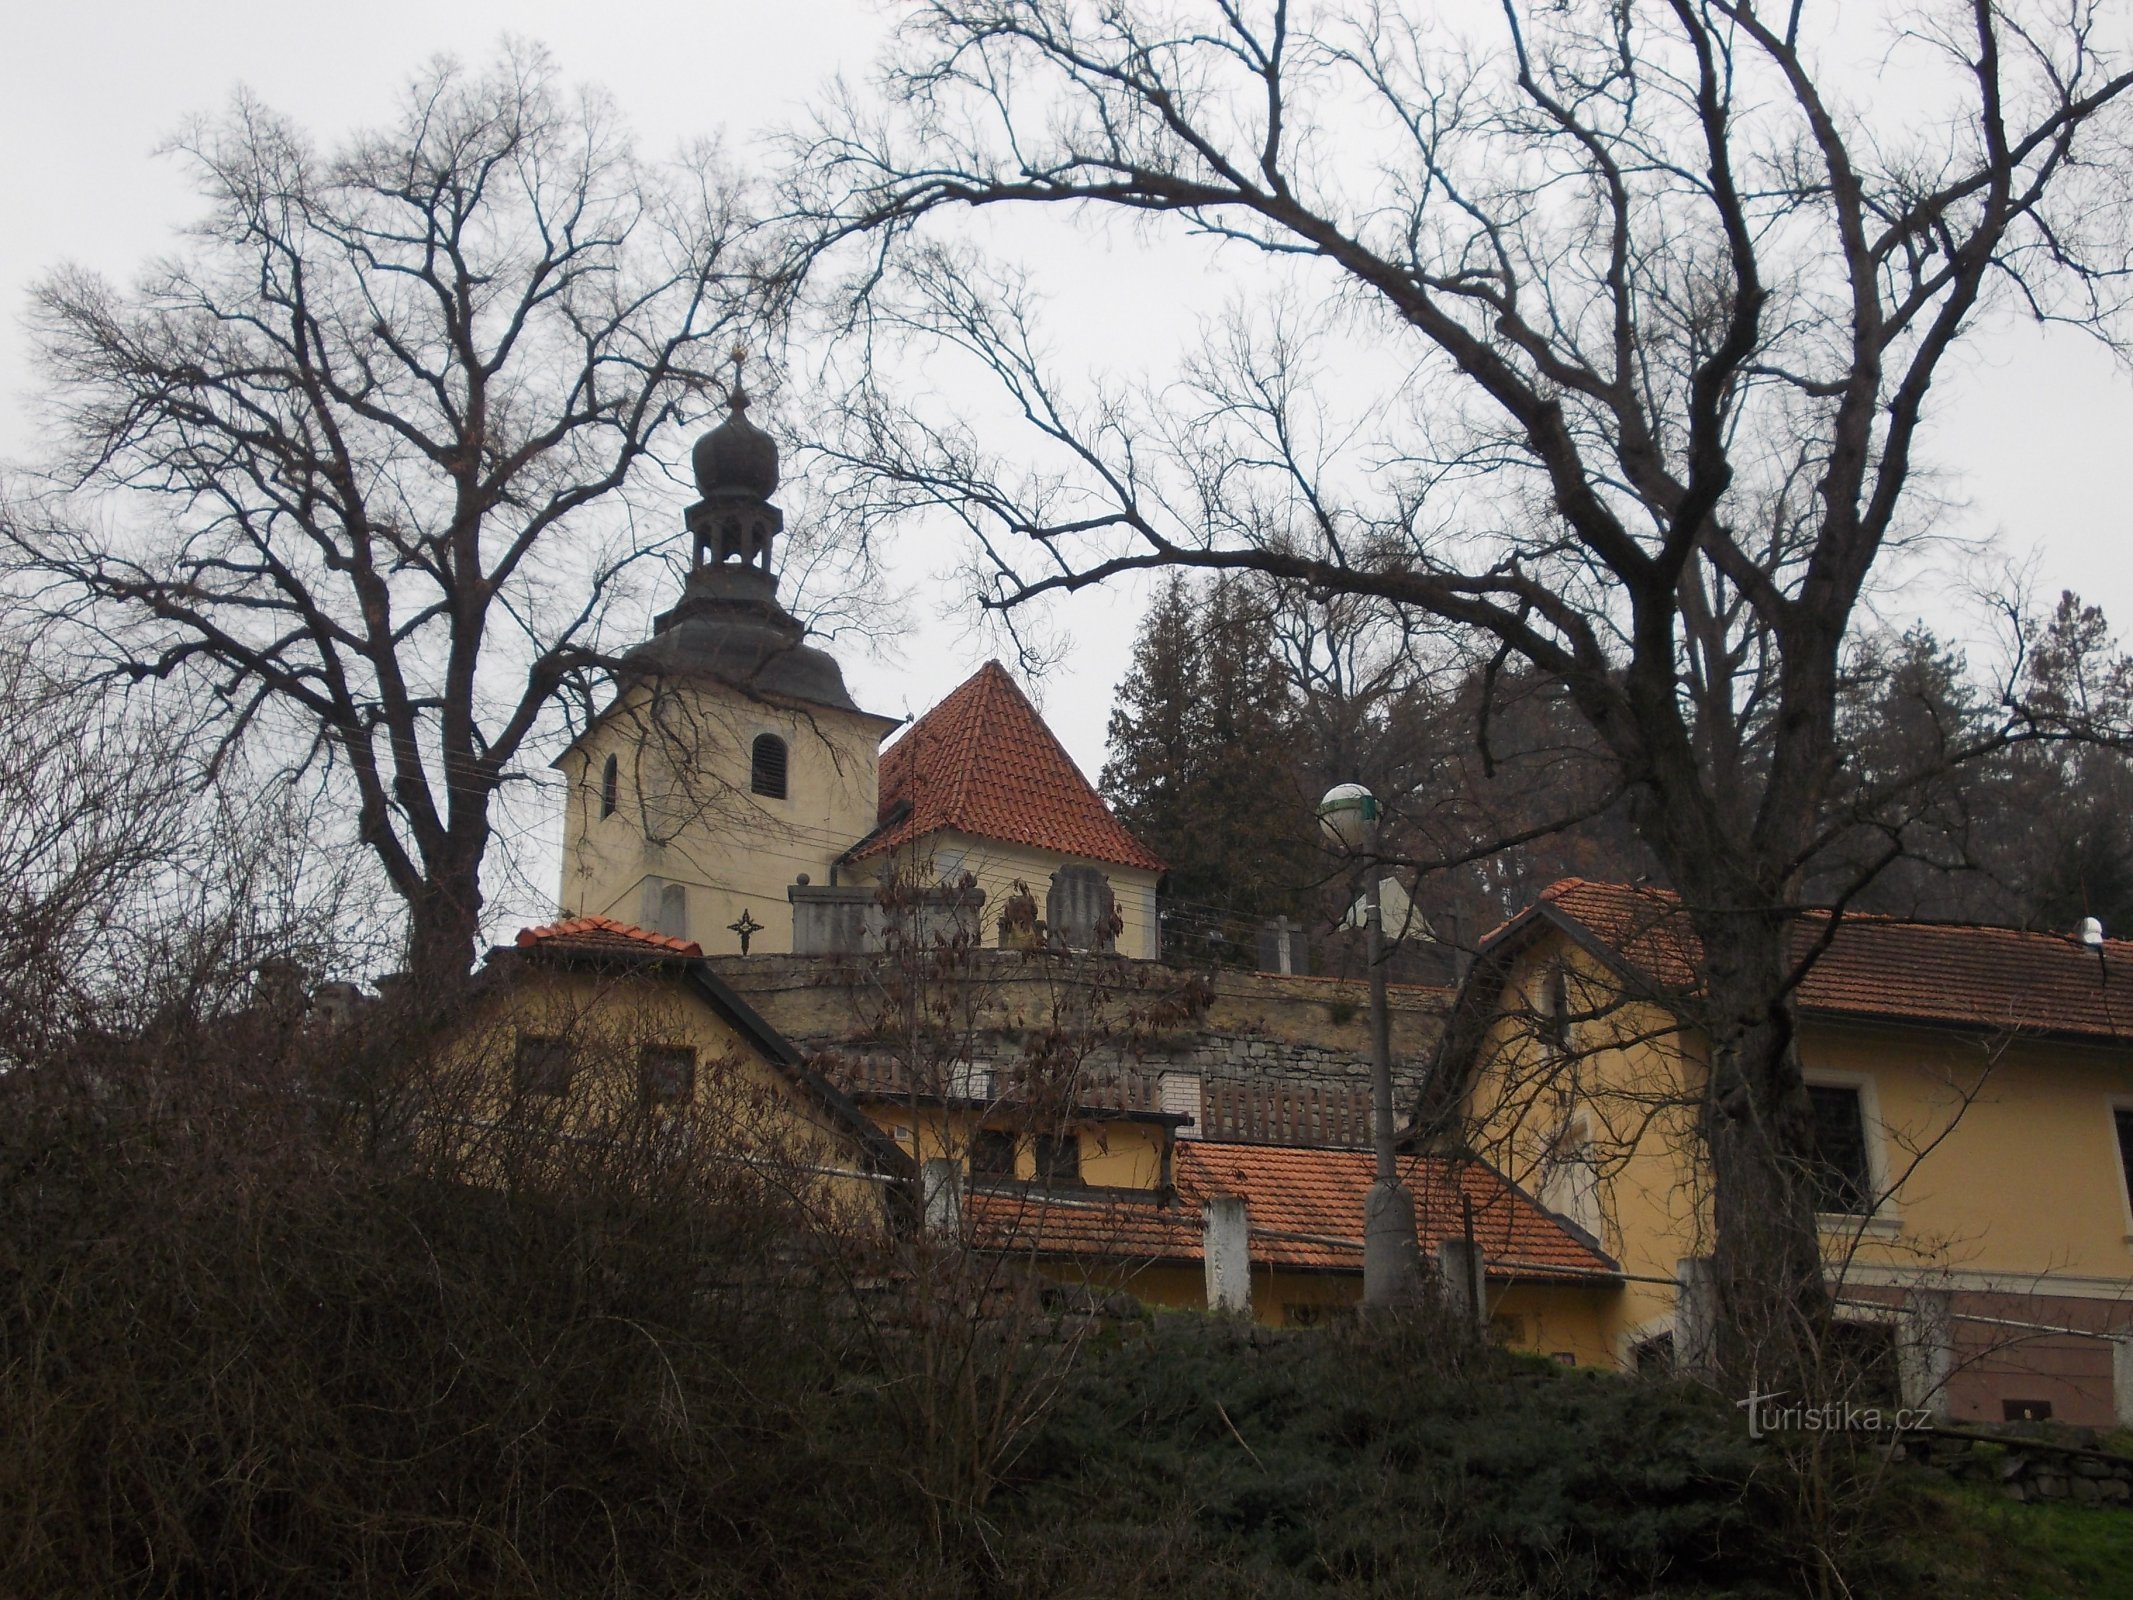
(1206, 766)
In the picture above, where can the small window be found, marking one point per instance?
(666, 1074)
(1653, 1357)
(1058, 1160)
(542, 1066)
(610, 785)
(2124, 1115)
(1862, 1355)
(2025, 1411)
(1557, 1024)
(992, 1153)
(766, 766)
(1838, 1171)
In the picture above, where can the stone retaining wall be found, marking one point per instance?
(2024, 1467)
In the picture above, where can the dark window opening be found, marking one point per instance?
(1058, 1160)
(666, 1073)
(542, 1066)
(1653, 1357)
(1838, 1171)
(1861, 1357)
(2025, 1411)
(610, 785)
(992, 1153)
(2124, 1115)
(766, 766)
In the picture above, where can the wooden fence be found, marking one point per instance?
(1285, 1111)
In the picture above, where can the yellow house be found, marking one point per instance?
(589, 1038)
(1972, 1090)
(1296, 1245)
(594, 1044)
(1095, 1186)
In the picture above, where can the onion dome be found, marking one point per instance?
(736, 458)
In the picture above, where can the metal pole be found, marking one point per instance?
(1380, 1030)
(1392, 1257)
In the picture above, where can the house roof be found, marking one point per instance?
(606, 943)
(982, 762)
(1305, 1208)
(1966, 975)
(598, 935)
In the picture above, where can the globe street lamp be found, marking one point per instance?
(1391, 1256)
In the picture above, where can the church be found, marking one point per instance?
(734, 796)
(734, 816)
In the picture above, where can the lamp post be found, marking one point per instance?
(1391, 1257)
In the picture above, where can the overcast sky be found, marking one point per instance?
(2035, 429)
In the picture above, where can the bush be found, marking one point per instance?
(1357, 1460)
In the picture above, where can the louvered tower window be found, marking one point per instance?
(766, 766)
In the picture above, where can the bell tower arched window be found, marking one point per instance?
(766, 766)
(610, 785)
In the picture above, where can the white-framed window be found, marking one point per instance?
(1570, 1176)
(1845, 1167)
(2121, 1110)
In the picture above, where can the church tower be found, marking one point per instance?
(733, 763)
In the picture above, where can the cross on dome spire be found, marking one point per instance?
(736, 396)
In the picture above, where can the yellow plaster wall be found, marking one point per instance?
(1557, 1320)
(2003, 1150)
(1280, 1299)
(742, 1104)
(1623, 1066)
(686, 815)
(1114, 1155)
(1552, 1319)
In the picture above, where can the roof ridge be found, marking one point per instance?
(564, 929)
(1652, 891)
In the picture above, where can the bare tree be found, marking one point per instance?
(365, 454)
(1668, 305)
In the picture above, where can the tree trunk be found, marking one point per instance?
(443, 922)
(1758, 1131)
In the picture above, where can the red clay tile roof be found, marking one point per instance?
(1292, 1190)
(603, 936)
(982, 762)
(1965, 974)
